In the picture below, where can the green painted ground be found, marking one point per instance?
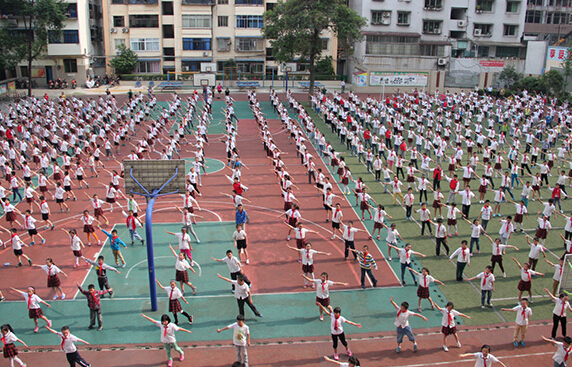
(465, 295)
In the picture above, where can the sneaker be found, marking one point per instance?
(336, 357)
(30, 262)
(123, 266)
(398, 349)
(522, 343)
(259, 315)
(349, 353)
(170, 363)
(515, 343)
(182, 357)
(100, 328)
(36, 329)
(19, 265)
(415, 347)
(375, 284)
(191, 319)
(483, 307)
(389, 258)
(90, 327)
(299, 260)
(321, 317)
(198, 241)
(55, 297)
(419, 309)
(504, 275)
(456, 233)
(63, 296)
(75, 266)
(378, 237)
(458, 344)
(247, 261)
(32, 243)
(445, 348)
(333, 237)
(2, 299)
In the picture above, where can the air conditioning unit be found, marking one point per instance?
(385, 20)
(113, 30)
(478, 32)
(206, 54)
(461, 24)
(125, 30)
(185, 68)
(386, 15)
(441, 62)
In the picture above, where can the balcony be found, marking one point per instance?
(197, 2)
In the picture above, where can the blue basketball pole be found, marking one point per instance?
(151, 197)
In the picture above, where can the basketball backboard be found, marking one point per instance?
(152, 174)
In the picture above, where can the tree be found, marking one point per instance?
(324, 66)
(38, 22)
(509, 76)
(554, 81)
(567, 65)
(295, 26)
(125, 62)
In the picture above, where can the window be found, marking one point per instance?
(432, 50)
(168, 31)
(512, 6)
(556, 18)
(71, 36)
(507, 51)
(269, 54)
(223, 44)
(248, 44)
(118, 21)
(249, 21)
(483, 51)
(223, 20)
(24, 72)
(72, 10)
(144, 21)
(432, 26)
(485, 5)
(70, 65)
(196, 44)
(167, 8)
(535, 2)
(148, 67)
(270, 6)
(222, 2)
(509, 30)
(118, 42)
(143, 2)
(196, 21)
(145, 44)
(403, 17)
(533, 16)
(118, 1)
(391, 45)
(248, 2)
(191, 65)
(250, 67)
(380, 17)
(483, 29)
(168, 54)
(324, 42)
(434, 4)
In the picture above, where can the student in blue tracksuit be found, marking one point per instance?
(114, 242)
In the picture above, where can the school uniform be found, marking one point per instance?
(562, 355)
(242, 295)
(487, 285)
(348, 237)
(525, 283)
(522, 318)
(559, 316)
(69, 348)
(338, 330)
(402, 325)
(405, 261)
(52, 272)
(424, 282)
(101, 271)
(448, 325)
(463, 259)
(33, 304)
(323, 291)
(9, 349)
(233, 264)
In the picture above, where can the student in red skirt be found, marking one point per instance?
(364, 198)
(9, 349)
(11, 211)
(449, 327)
(300, 236)
(181, 266)
(525, 283)
(323, 290)
(97, 207)
(424, 280)
(292, 217)
(88, 229)
(53, 279)
(174, 294)
(307, 254)
(34, 308)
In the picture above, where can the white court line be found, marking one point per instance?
(176, 201)
(473, 361)
(141, 262)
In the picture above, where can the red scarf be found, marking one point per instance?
(567, 352)
(336, 322)
(485, 279)
(424, 281)
(29, 301)
(64, 338)
(171, 295)
(165, 332)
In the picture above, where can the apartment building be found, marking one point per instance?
(427, 35)
(180, 35)
(548, 20)
(73, 54)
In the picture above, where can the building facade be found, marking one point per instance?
(439, 35)
(548, 20)
(73, 54)
(177, 36)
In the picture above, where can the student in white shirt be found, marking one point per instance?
(307, 255)
(323, 290)
(487, 279)
(562, 352)
(463, 255)
(234, 267)
(523, 313)
(484, 358)
(449, 327)
(168, 335)
(240, 339)
(525, 284)
(561, 305)
(68, 346)
(535, 249)
(557, 273)
(402, 324)
(336, 327)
